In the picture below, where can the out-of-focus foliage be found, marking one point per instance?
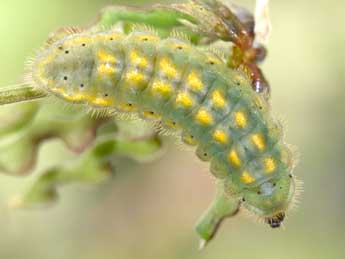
(97, 139)
(148, 210)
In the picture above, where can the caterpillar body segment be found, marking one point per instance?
(170, 80)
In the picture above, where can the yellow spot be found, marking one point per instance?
(184, 99)
(77, 97)
(148, 38)
(105, 57)
(105, 69)
(168, 68)
(78, 40)
(108, 37)
(162, 88)
(190, 140)
(42, 66)
(137, 59)
(258, 141)
(179, 45)
(134, 76)
(128, 107)
(270, 165)
(218, 99)
(220, 136)
(234, 159)
(204, 117)
(212, 60)
(115, 36)
(102, 101)
(246, 177)
(172, 124)
(240, 119)
(194, 81)
(151, 115)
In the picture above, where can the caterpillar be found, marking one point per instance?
(186, 89)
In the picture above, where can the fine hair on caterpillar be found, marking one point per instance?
(183, 91)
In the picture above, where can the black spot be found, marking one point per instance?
(83, 44)
(67, 51)
(179, 47)
(243, 199)
(258, 192)
(205, 154)
(60, 48)
(111, 38)
(174, 123)
(145, 39)
(129, 104)
(290, 175)
(238, 83)
(81, 85)
(211, 63)
(191, 136)
(106, 95)
(274, 184)
(65, 78)
(151, 112)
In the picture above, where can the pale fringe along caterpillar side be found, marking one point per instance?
(186, 89)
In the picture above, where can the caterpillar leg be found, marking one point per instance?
(223, 206)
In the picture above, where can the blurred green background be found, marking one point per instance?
(148, 211)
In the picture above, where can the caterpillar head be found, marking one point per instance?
(270, 200)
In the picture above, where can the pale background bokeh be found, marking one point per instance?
(148, 211)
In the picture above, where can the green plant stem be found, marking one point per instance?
(20, 93)
(223, 206)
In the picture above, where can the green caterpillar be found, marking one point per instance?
(189, 90)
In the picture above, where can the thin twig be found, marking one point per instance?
(19, 93)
